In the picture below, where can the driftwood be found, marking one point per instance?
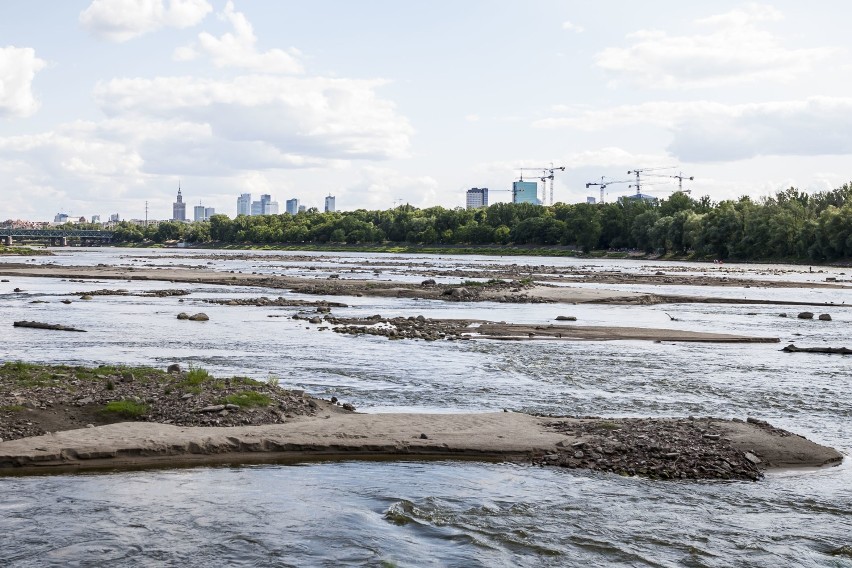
(836, 350)
(40, 325)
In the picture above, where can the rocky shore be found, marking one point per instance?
(60, 418)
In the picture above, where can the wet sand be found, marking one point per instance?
(503, 436)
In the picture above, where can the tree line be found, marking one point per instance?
(790, 225)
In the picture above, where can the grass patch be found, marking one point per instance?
(125, 409)
(13, 408)
(608, 426)
(247, 399)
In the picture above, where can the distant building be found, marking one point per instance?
(329, 204)
(114, 218)
(209, 212)
(302, 208)
(591, 200)
(265, 206)
(198, 213)
(642, 196)
(525, 192)
(244, 204)
(179, 208)
(477, 197)
(60, 218)
(292, 206)
(96, 218)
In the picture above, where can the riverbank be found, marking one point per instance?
(506, 284)
(143, 417)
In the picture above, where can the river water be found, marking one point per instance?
(443, 513)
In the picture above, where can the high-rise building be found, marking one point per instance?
(525, 192)
(302, 208)
(96, 218)
(209, 212)
(179, 208)
(198, 213)
(60, 218)
(265, 206)
(477, 197)
(114, 218)
(244, 204)
(292, 206)
(329, 204)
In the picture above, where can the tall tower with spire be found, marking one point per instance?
(179, 208)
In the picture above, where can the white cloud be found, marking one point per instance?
(705, 131)
(735, 51)
(813, 127)
(18, 67)
(312, 117)
(239, 49)
(122, 20)
(572, 27)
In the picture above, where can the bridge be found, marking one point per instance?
(57, 237)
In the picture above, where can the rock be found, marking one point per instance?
(50, 326)
(348, 406)
(782, 315)
(183, 316)
(85, 297)
(315, 320)
(424, 437)
(173, 368)
(66, 301)
(566, 318)
(200, 316)
(212, 408)
(752, 458)
(187, 396)
(805, 315)
(17, 290)
(825, 317)
(428, 282)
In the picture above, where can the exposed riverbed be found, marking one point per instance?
(444, 513)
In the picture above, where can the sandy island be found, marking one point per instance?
(690, 449)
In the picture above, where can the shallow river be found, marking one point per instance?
(443, 513)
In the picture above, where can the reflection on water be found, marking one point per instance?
(439, 513)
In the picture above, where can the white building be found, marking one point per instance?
(329, 204)
(198, 213)
(477, 197)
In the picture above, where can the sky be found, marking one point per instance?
(108, 104)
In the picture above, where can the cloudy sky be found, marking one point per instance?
(105, 104)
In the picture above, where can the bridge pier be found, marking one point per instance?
(63, 241)
(7, 240)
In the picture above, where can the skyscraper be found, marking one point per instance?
(198, 213)
(292, 206)
(329, 204)
(525, 192)
(244, 204)
(179, 208)
(477, 197)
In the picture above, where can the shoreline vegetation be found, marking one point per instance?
(58, 418)
(791, 226)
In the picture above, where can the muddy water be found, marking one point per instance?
(442, 514)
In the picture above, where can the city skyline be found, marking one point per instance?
(105, 109)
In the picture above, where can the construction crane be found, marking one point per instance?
(604, 183)
(550, 177)
(542, 176)
(680, 177)
(639, 172)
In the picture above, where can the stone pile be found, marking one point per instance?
(659, 448)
